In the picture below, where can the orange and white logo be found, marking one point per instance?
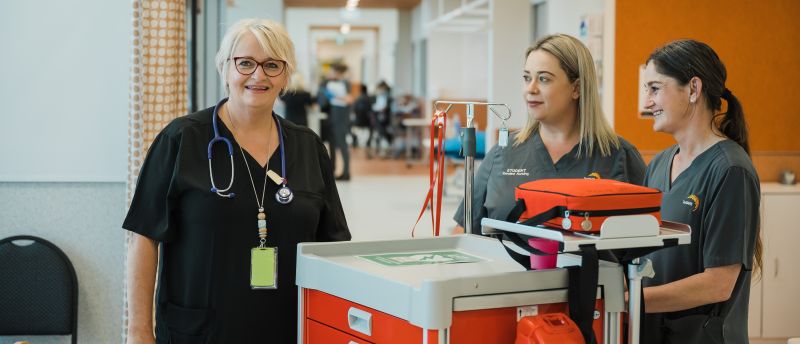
(692, 201)
(593, 175)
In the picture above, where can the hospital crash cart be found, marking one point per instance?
(456, 289)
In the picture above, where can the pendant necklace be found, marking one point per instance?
(262, 217)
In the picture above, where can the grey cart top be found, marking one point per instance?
(420, 280)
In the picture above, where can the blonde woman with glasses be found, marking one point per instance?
(566, 135)
(223, 199)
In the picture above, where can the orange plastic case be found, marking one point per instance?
(548, 329)
(582, 205)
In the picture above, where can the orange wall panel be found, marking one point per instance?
(759, 42)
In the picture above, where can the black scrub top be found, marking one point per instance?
(204, 293)
(296, 103)
(718, 195)
(504, 168)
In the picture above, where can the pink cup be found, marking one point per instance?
(547, 246)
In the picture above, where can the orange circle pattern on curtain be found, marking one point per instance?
(158, 86)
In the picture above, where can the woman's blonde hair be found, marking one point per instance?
(271, 36)
(576, 60)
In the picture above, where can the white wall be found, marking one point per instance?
(83, 220)
(64, 80)
(609, 39)
(509, 37)
(350, 51)
(419, 17)
(64, 89)
(404, 58)
(241, 9)
(300, 20)
(366, 55)
(565, 15)
(458, 65)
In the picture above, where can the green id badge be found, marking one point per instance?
(264, 268)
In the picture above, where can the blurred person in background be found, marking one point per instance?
(362, 108)
(337, 90)
(297, 101)
(382, 114)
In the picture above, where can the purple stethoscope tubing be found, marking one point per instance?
(218, 138)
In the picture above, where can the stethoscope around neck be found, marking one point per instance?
(284, 194)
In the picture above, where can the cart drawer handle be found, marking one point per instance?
(359, 320)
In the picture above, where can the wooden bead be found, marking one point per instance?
(262, 216)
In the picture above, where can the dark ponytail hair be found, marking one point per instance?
(732, 123)
(685, 59)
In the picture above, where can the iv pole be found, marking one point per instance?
(468, 149)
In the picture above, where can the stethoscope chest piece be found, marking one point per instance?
(284, 195)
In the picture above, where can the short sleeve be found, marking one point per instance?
(150, 213)
(332, 224)
(634, 166)
(479, 189)
(731, 222)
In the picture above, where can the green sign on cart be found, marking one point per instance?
(422, 258)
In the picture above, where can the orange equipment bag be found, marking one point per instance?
(581, 204)
(548, 328)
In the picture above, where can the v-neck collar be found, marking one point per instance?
(562, 164)
(697, 160)
(247, 154)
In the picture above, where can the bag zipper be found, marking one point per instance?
(615, 212)
(571, 195)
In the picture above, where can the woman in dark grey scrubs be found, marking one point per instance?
(700, 291)
(566, 135)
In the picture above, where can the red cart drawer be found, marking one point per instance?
(499, 325)
(319, 333)
(360, 321)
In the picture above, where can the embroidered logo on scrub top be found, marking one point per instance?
(692, 201)
(593, 175)
(516, 172)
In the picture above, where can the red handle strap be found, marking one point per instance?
(435, 173)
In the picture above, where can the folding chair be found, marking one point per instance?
(38, 289)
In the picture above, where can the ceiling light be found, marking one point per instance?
(345, 28)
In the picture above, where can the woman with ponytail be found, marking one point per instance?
(700, 291)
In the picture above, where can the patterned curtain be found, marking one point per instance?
(158, 86)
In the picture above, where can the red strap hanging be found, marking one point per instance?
(435, 173)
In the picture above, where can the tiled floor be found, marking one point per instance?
(386, 207)
(384, 197)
